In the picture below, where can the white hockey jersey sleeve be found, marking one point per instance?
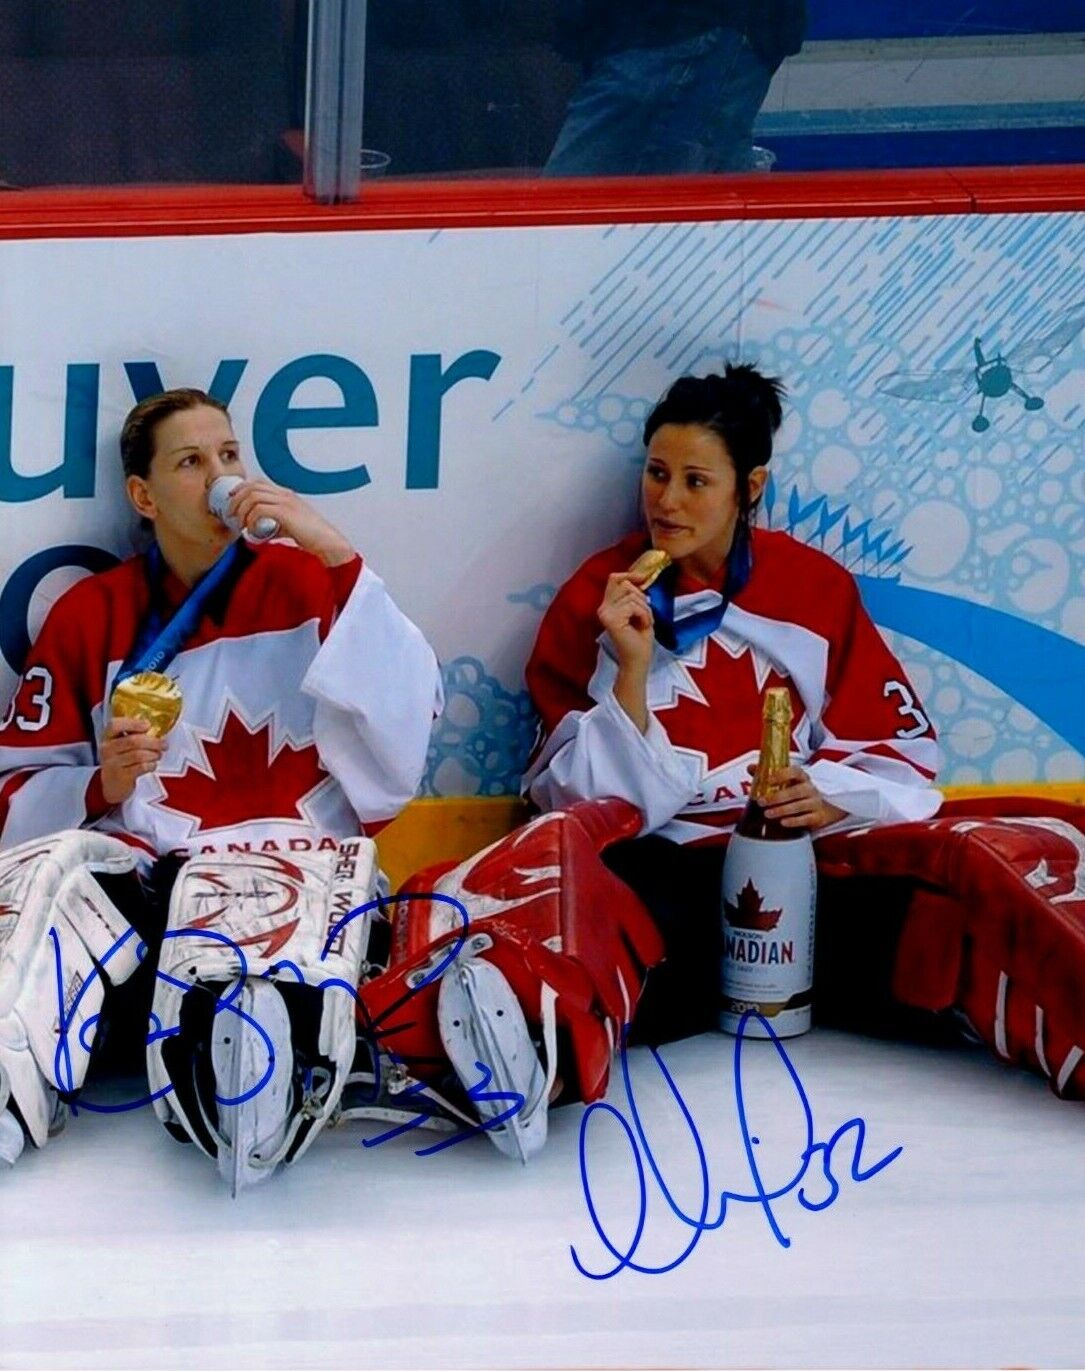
(602, 753)
(377, 688)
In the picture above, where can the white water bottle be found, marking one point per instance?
(218, 501)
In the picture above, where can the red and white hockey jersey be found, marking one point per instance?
(859, 729)
(308, 703)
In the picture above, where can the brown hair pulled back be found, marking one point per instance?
(138, 433)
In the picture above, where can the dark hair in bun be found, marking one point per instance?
(742, 407)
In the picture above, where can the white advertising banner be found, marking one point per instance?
(467, 406)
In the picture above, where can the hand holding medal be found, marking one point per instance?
(151, 696)
(649, 567)
(145, 706)
(626, 613)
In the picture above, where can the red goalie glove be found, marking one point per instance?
(551, 914)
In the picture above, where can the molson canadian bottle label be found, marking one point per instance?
(769, 898)
(769, 894)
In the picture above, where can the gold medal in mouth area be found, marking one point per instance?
(650, 566)
(148, 695)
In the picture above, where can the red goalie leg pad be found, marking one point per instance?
(927, 966)
(554, 914)
(1021, 1031)
(1002, 933)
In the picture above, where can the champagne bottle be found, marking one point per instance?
(769, 896)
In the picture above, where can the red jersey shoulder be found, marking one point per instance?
(798, 583)
(123, 582)
(281, 587)
(281, 562)
(106, 606)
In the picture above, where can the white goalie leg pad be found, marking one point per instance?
(254, 1007)
(57, 926)
(485, 1034)
(258, 1124)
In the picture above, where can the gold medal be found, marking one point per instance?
(650, 565)
(148, 695)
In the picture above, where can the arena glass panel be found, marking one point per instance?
(138, 92)
(135, 92)
(568, 88)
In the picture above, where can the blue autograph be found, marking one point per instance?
(64, 1075)
(760, 1192)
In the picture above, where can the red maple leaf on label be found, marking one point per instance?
(747, 911)
(726, 722)
(244, 782)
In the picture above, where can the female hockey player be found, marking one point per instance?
(250, 709)
(651, 729)
(664, 708)
(307, 697)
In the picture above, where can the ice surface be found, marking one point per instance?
(122, 1248)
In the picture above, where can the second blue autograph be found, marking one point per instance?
(810, 1177)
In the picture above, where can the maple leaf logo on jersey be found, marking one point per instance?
(244, 781)
(717, 710)
(748, 911)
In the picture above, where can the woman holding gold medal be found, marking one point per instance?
(201, 458)
(218, 691)
(701, 614)
(246, 710)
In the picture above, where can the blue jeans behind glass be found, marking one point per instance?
(688, 107)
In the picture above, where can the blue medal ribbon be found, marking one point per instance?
(679, 635)
(160, 638)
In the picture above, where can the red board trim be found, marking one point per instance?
(471, 203)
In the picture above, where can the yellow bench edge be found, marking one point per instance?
(448, 829)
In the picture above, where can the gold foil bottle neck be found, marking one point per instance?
(777, 704)
(775, 741)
